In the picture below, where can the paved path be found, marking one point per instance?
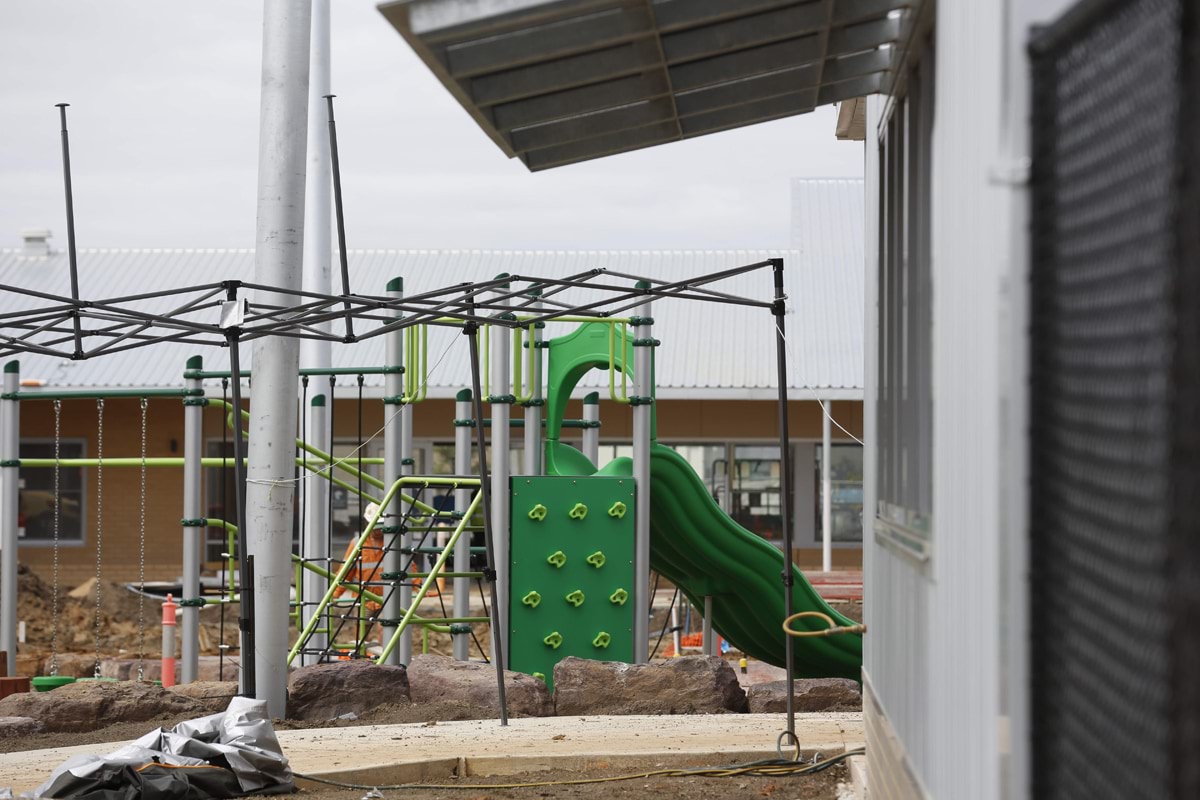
(401, 753)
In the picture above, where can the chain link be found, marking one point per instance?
(99, 525)
(57, 511)
(142, 555)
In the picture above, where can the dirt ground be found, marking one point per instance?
(120, 610)
(819, 786)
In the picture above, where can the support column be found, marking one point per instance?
(643, 381)
(316, 532)
(591, 433)
(270, 490)
(708, 643)
(10, 489)
(532, 463)
(315, 353)
(826, 490)
(193, 534)
(463, 414)
(393, 468)
(501, 400)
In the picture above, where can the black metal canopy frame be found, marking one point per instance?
(218, 314)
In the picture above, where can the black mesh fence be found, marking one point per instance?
(1115, 478)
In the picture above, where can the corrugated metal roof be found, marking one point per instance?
(554, 82)
(708, 350)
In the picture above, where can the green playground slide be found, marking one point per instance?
(693, 543)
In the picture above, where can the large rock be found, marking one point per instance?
(685, 685)
(213, 695)
(441, 679)
(74, 665)
(19, 726)
(88, 705)
(329, 691)
(812, 694)
(126, 669)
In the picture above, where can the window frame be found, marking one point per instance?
(903, 469)
(84, 491)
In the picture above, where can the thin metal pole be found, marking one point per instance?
(70, 197)
(247, 681)
(10, 440)
(591, 433)
(462, 499)
(471, 330)
(643, 374)
(501, 342)
(316, 532)
(396, 601)
(279, 240)
(826, 491)
(341, 221)
(785, 483)
(533, 409)
(193, 535)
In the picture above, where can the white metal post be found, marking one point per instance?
(591, 431)
(193, 533)
(708, 643)
(500, 463)
(533, 412)
(316, 531)
(393, 468)
(643, 380)
(10, 489)
(270, 490)
(463, 414)
(315, 353)
(826, 490)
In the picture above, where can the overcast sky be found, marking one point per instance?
(164, 136)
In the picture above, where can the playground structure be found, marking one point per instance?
(569, 577)
(569, 543)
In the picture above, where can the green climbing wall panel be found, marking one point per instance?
(570, 571)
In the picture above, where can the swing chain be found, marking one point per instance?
(142, 555)
(99, 525)
(57, 519)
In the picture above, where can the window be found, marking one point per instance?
(846, 493)
(35, 505)
(756, 499)
(904, 394)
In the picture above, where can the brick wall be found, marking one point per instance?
(678, 419)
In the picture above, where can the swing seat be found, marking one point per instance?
(48, 683)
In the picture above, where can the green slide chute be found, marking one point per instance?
(694, 543)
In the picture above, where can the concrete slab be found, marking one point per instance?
(403, 753)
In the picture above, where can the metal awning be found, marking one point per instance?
(554, 82)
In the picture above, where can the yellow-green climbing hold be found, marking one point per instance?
(618, 597)
(575, 598)
(578, 511)
(557, 559)
(554, 640)
(596, 559)
(532, 599)
(618, 510)
(602, 640)
(538, 513)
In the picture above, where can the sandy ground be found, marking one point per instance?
(820, 786)
(541, 749)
